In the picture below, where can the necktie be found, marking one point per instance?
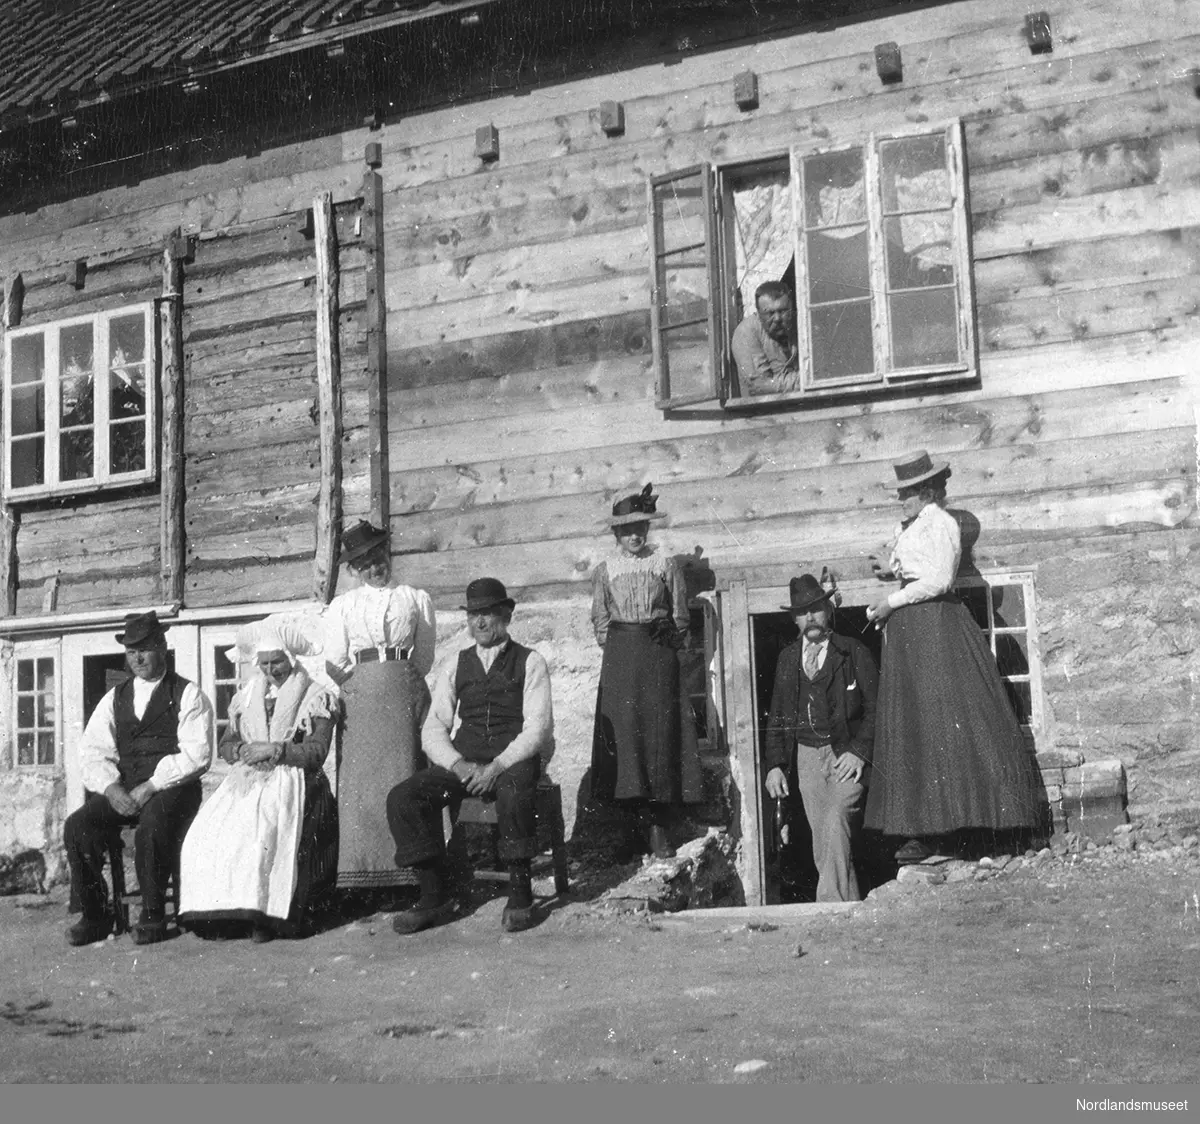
(811, 651)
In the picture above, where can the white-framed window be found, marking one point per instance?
(1003, 605)
(80, 403)
(220, 677)
(871, 240)
(36, 708)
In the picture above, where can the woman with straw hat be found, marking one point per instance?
(644, 753)
(949, 753)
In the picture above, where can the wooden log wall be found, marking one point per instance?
(520, 386)
(252, 414)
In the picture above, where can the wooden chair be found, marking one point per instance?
(122, 895)
(548, 808)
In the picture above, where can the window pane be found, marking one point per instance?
(833, 189)
(838, 268)
(841, 340)
(45, 675)
(1020, 696)
(24, 675)
(45, 709)
(25, 716)
(75, 454)
(28, 409)
(28, 359)
(914, 174)
(920, 251)
(924, 328)
(75, 352)
(223, 667)
(224, 696)
(975, 598)
(683, 289)
(128, 450)
(25, 743)
(28, 465)
(75, 401)
(45, 749)
(1012, 653)
(1009, 606)
(126, 340)
(127, 398)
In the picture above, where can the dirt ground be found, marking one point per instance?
(1074, 968)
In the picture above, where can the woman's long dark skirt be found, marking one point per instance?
(644, 741)
(949, 753)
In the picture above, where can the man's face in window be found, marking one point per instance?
(778, 318)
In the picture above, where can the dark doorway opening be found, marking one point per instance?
(790, 874)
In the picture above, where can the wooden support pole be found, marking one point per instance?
(377, 401)
(329, 401)
(170, 311)
(8, 559)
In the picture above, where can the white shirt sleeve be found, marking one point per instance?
(537, 711)
(928, 552)
(195, 733)
(98, 749)
(336, 640)
(425, 634)
(435, 734)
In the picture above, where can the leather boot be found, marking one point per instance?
(518, 911)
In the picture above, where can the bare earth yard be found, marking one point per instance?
(1079, 968)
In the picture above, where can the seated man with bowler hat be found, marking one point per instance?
(500, 692)
(821, 731)
(143, 752)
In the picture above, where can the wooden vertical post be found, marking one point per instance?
(377, 402)
(329, 401)
(14, 292)
(170, 311)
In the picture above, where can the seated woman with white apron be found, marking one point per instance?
(264, 845)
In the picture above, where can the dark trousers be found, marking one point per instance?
(414, 811)
(161, 825)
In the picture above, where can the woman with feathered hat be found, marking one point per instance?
(644, 753)
(949, 754)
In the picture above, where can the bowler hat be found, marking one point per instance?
(804, 592)
(361, 539)
(140, 628)
(915, 469)
(486, 593)
(638, 508)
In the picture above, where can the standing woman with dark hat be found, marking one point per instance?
(949, 754)
(379, 646)
(644, 753)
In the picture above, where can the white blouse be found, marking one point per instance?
(395, 617)
(926, 554)
(636, 590)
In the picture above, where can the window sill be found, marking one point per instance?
(28, 496)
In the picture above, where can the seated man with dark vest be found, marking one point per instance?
(821, 732)
(500, 691)
(143, 752)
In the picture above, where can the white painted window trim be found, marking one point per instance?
(102, 478)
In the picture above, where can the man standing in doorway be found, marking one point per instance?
(144, 750)
(822, 731)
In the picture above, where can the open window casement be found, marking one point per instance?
(686, 321)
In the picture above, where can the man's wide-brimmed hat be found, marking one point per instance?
(141, 628)
(486, 593)
(915, 468)
(361, 539)
(804, 592)
(638, 508)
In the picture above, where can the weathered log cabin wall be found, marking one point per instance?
(251, 415)
(521, 394)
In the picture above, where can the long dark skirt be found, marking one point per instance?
(386, 704)
(316, 866)
(949, 753)
(644, 741)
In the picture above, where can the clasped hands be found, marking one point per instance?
(128, 802)
(249, 753)
(479, 779)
